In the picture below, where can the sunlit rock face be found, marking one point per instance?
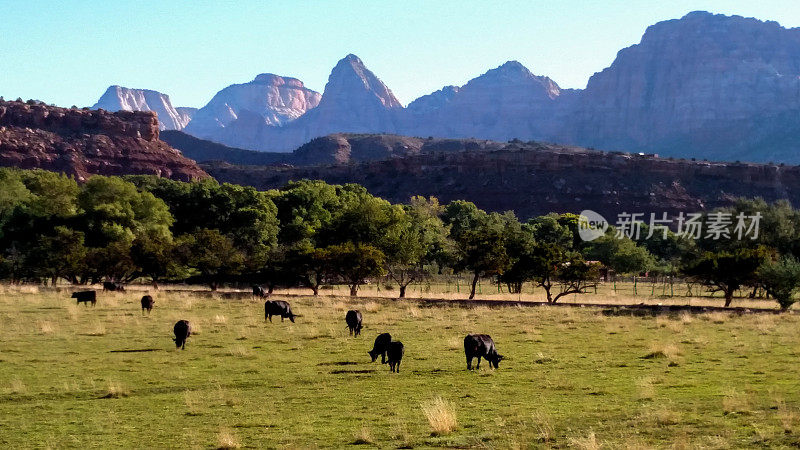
(118, 98)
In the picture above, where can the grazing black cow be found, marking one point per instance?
(380, 347)
(147, 303)
(395, 355)
(85, 297)
(481, 346)
(353, 319)
(113, 287)
(278, 308)
(258, 291)
(182, 331)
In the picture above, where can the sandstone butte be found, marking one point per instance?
(82, 142)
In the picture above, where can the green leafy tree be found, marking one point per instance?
(414, 242)
(309, 265)
(213, 255)
(304, 208)
(728, 271)
(479, 239)
(546, 258)
(60, 254)
(620, 254)
(114, 210)
(156, 258)
(355, 263)
(781, 279)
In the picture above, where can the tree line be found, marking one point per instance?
(310, 234)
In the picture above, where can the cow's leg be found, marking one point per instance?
(270, 318)
(469, 363)
(478, 366)
(397, 367)
(383, 358)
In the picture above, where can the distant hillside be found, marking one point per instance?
(341, 148)
(528, 178)
(202, 150)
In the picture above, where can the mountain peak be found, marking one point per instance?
(350, 77)
(513, 66)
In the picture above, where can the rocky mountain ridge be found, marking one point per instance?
(118, 98)
(82, 142)
(706, 85)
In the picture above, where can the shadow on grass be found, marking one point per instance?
(338, 372)
(137, 350)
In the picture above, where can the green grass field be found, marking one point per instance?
(72, 376)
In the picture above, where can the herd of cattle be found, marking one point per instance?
(391, 352)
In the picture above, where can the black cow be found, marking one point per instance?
(85, 297)
(182, 331)
(395, 355)
(109, 286)
(353, 319)
(278, 308)
(481, 346)
(258, 291)
(147, 303)
(380, 347)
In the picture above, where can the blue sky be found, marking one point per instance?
(67, 52)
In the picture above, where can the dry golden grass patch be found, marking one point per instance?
(660, 415)
(735, 402)
(441, 416)
(220, 319)
(545, 432)
(716, 317)
(401, 434)
(661, 350)
(645, 389)
(789, 418)
(363, 436)
(46, 327)
(17, 386)
(116, 390)
(588, 442)
(193, 402)
(239, 351)
(227, 440)
(96, 329)
(371, 307)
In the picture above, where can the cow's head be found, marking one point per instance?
(373, 354)
(496, 361)
(292, 316)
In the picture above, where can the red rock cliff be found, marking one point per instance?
(83, 142)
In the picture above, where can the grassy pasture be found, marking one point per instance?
(72, 376)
